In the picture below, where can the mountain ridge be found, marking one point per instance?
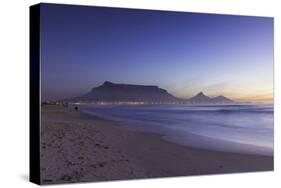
(202, 98)
(116, 92)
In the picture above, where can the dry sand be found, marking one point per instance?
(76, 147)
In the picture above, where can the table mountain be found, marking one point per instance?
(113, 92)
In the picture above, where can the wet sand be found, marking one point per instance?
(77, 147)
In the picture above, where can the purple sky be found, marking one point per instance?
(184, 53)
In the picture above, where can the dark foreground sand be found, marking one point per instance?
(76, 147)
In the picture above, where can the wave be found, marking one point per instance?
(243, 124)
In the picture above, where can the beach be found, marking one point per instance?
(77, 147)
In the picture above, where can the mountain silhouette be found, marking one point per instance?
(201, 98)
(221, 99)
(114, 92)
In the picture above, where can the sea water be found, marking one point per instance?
(232, 128)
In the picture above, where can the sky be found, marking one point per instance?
(184, 53)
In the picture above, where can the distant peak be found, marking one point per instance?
(200, 93)
(107, 83)
(221, 97)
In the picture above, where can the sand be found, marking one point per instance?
(77, 147)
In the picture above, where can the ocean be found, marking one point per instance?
(231, 128)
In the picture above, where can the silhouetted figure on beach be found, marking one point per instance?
(76, 108)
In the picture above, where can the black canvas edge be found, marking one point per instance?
(34, 95)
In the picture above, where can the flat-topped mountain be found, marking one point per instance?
(126, 93)
(113, 92)
(201, 98)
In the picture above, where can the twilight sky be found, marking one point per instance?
(184, 53)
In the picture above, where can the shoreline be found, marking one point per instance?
(81, 148)
(187, 138)
(195, 141)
